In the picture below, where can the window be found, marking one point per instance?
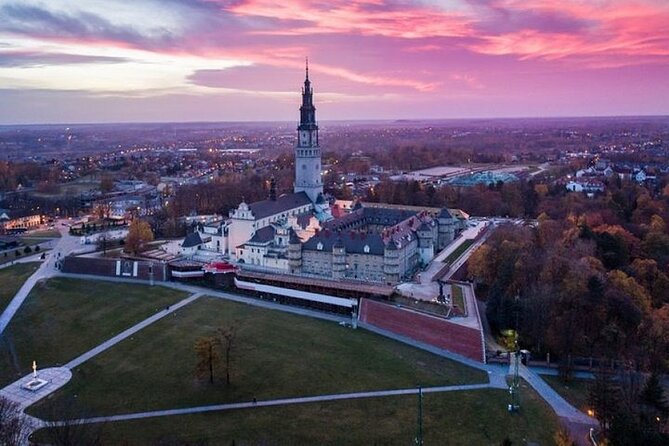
(304, 167)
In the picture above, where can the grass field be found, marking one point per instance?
(62, 318)
(452, 257)
(73, 188)
(421, 305)
(575, 391)
(456, 418)
(278, 355)
(46, 233)
(458, 298)
(12, 278)
(31, 241)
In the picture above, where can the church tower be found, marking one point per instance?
(307, 152)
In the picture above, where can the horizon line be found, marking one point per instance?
(361, 120)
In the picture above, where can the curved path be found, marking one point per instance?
(576, 421)
(64, 245)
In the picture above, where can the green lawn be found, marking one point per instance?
(458, 298)
(452, 257)
(457, 418)
(12, 278)
(279, 355)
(421, 305)
(31, 241)
(45, 233)
(62, 318)
(575, 391)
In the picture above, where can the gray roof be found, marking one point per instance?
(424, 227)
(263, 235)
(353, 241)
(191, 240)
(265, 208)
(444, 214)
(365, 216)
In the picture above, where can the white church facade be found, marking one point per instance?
(296, 234)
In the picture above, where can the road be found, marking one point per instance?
(63, 246)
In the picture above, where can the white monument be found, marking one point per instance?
(35, 383)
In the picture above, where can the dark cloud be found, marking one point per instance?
(34, 21)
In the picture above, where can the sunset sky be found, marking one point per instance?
(217, 60)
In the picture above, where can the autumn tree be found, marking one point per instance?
(208, 356)
(139, 236)
(562, 438)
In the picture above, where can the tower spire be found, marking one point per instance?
(306, 59)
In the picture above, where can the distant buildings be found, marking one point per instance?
(587, 186)
(15, 221)
(591, 179)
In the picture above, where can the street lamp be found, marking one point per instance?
(419, 434)
(514, 388)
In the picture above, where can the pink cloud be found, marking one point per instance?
(618, 33)
(500, 55)
(366, 17)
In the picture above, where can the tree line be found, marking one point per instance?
(590, 279)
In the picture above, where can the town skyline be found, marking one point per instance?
(210, 61)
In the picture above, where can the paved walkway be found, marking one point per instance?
(465, 255)
(281, 402)
(55, 376)
(561, 407)
(59, 376)
(130, 331)
(64, 245)
(21, 295)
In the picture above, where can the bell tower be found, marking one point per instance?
(308, 152)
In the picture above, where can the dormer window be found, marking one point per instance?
(366, 249)
(319, 247)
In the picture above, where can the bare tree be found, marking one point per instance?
(228, 341)
(14, 427)
(67, 425)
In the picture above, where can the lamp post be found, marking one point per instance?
(419, 434)
(514, 388)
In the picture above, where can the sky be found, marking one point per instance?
(69, 61)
